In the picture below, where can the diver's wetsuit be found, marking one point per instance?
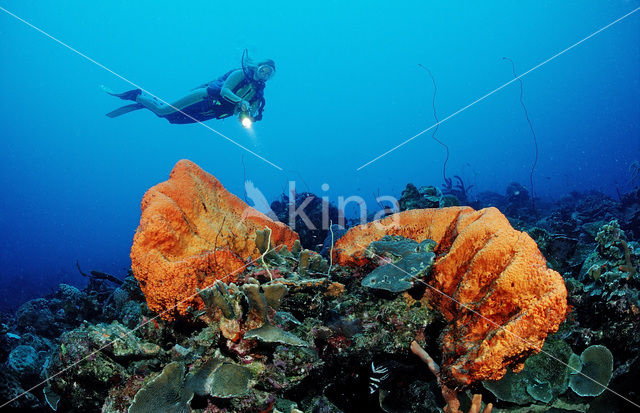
(196, 104)
(217, 99)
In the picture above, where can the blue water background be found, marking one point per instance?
(348, 88)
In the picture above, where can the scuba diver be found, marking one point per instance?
(239, 91)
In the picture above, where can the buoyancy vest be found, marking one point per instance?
(214, 90)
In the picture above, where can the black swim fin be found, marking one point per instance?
(125, 109)
(128, 95)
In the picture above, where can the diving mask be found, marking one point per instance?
(264, 72)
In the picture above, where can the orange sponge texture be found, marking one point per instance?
(192, 232)
(490, 282)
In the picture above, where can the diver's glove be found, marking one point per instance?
(244, 106)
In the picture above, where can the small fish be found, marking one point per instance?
(378, 375)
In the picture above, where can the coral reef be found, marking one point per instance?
(23, 360)
(605, 295)
(429, 197)
(403, 260)
(492, 285)
(165, 393)
(558, 249)
(630, 212)
(296, 331)
(449, 394)
(309, 215)
(548, 375)
(596, 369)
(187, 238)
(518, 200)
(459, 191)
(66, 308)
(545, 376)
(578, 214)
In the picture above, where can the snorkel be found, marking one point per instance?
(245, 66)
(258, 72)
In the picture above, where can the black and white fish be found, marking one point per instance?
(378, 375)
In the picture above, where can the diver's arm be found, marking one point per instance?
(232, 81)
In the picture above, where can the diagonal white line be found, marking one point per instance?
(138, 87)
(501, 327)
(69, 367)
(497, 89)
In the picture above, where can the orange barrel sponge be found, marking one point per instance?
(192, 232)
(490, 282)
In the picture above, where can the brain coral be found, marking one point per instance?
(490, 282)
(193, 231)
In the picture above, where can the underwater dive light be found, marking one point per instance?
(246, 120)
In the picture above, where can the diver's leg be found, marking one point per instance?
(162, 109)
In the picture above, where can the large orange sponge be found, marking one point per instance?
(490, 282)
(192, 232)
